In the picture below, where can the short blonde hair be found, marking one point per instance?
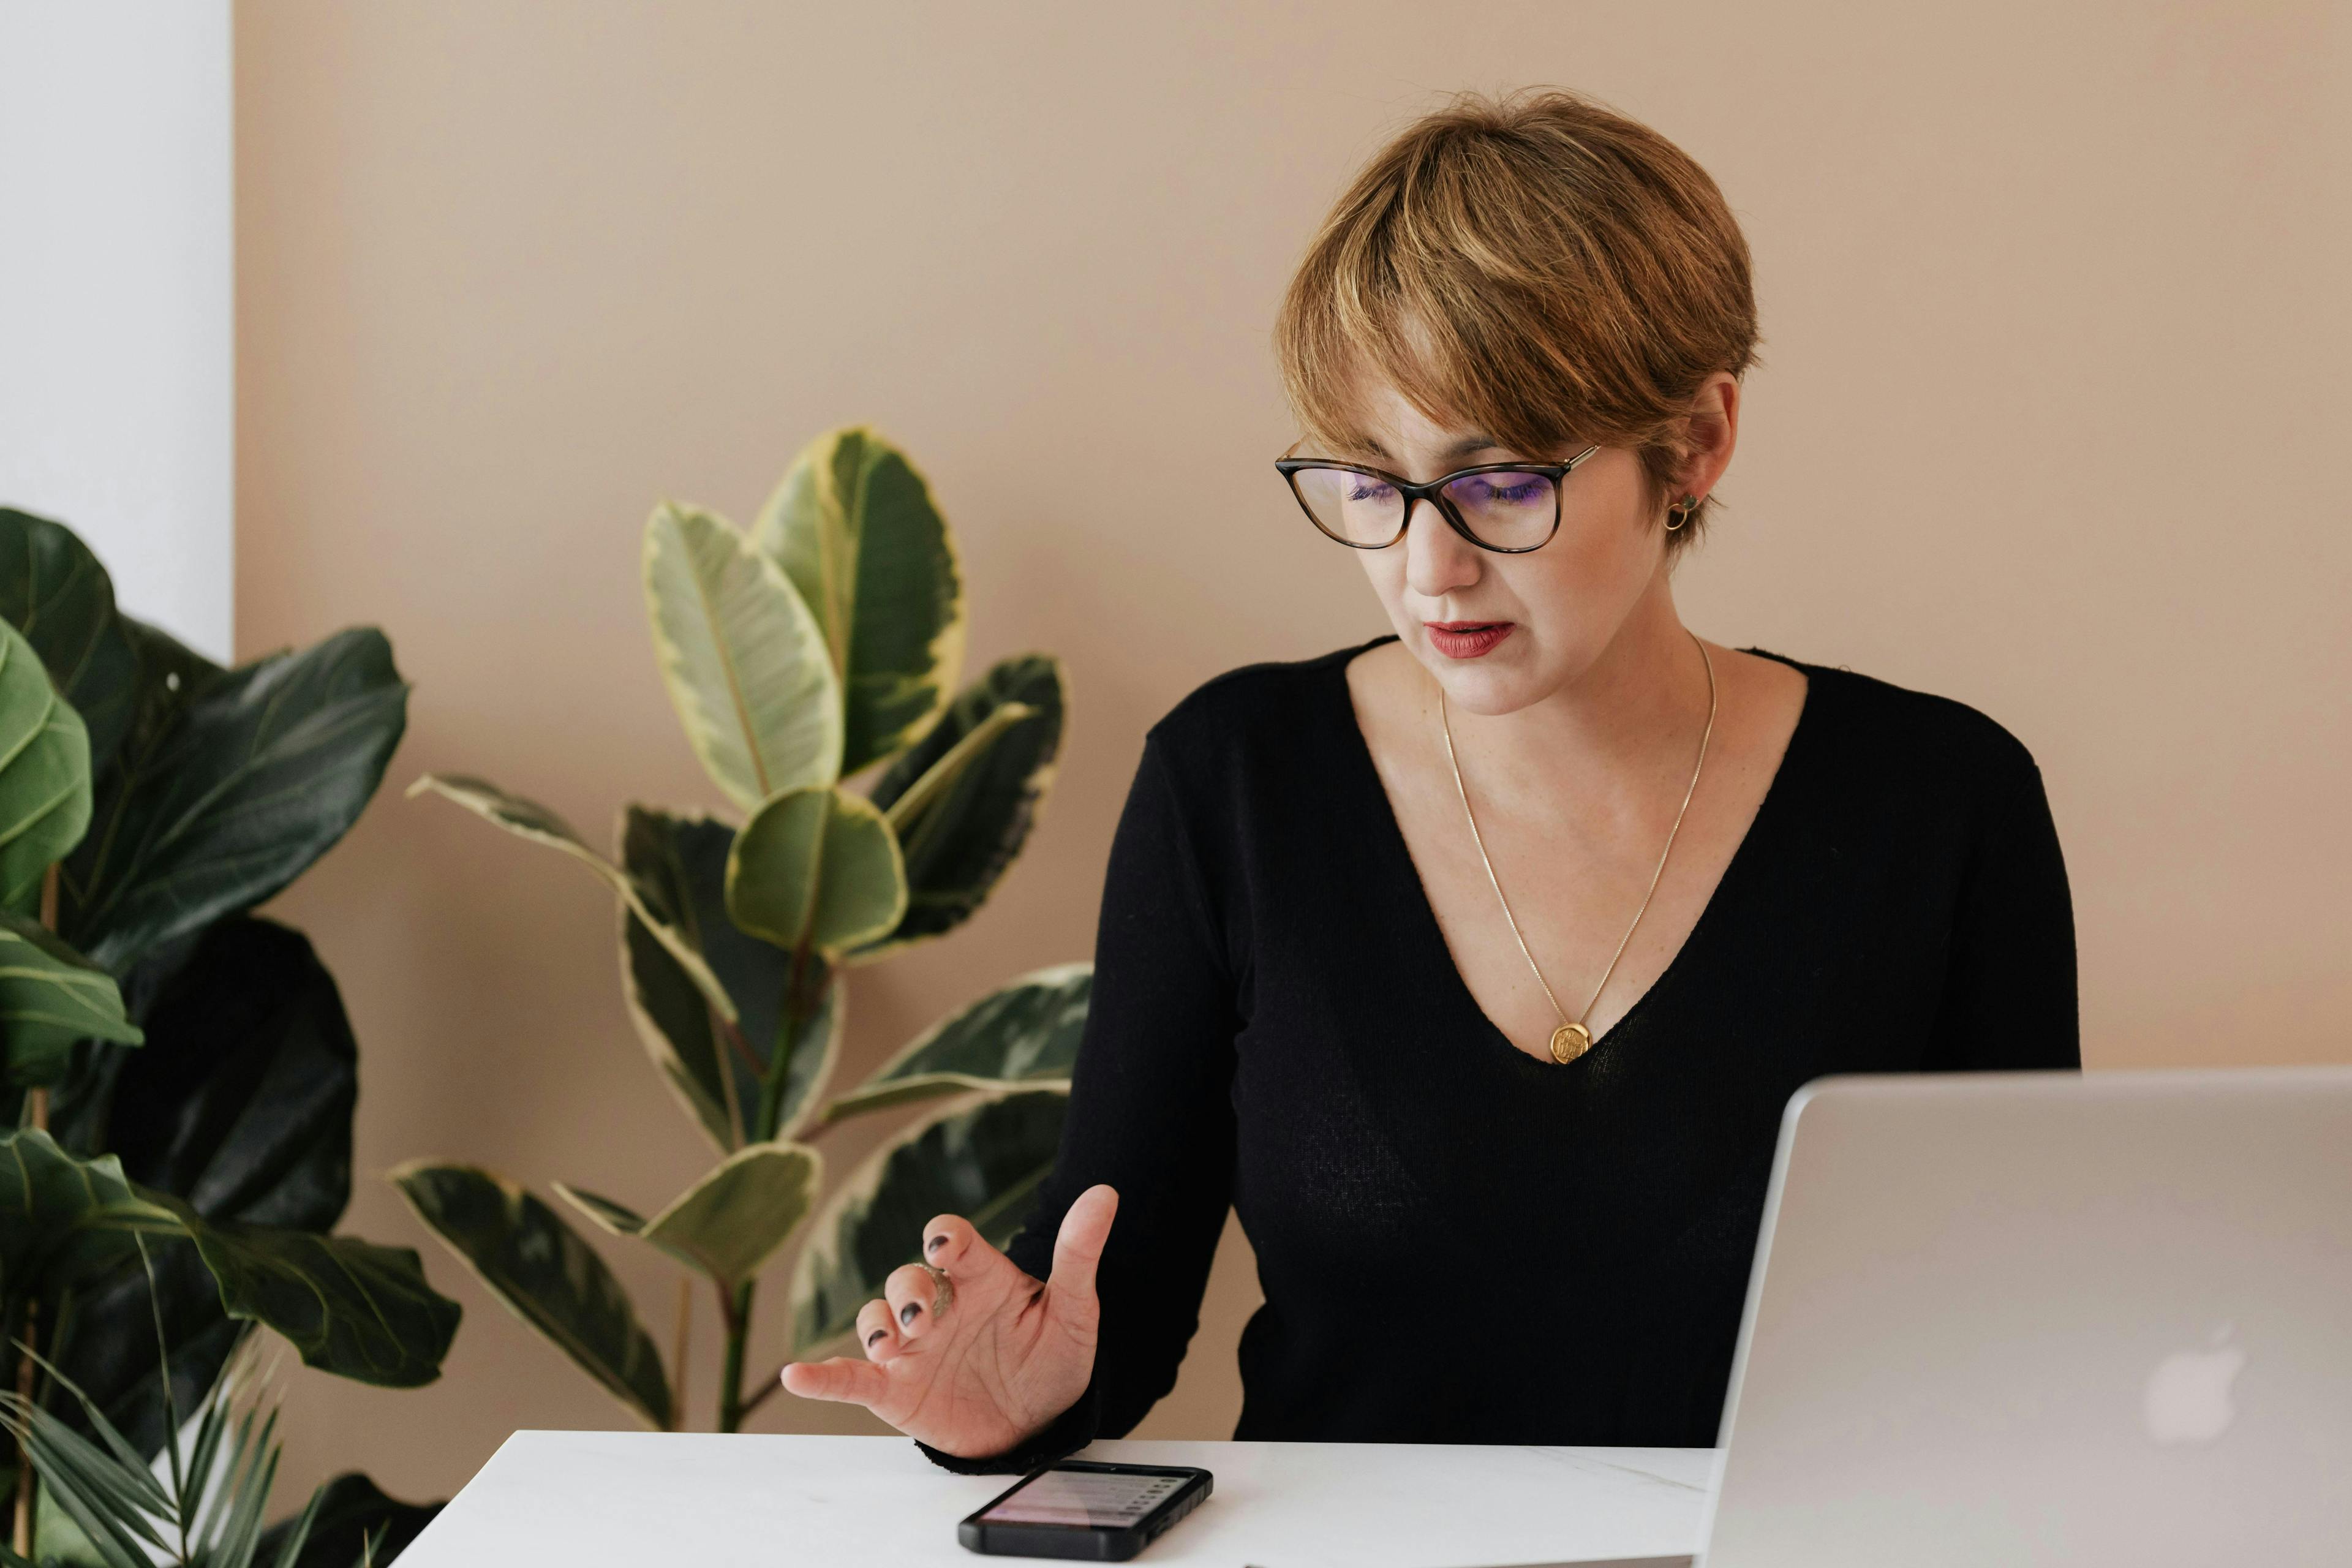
(1537, 266)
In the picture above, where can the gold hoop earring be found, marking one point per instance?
(1685, 507)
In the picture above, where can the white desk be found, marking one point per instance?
(688, 1500)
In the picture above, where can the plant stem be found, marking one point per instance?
(21, 1537)
(37, 1099)
(733, 1035)
(798, 1009)
(37, 1115)
(736, 1309)
(681, 1341)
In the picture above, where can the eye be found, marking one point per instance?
(1503, 489)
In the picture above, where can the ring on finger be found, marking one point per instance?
(943, 1288)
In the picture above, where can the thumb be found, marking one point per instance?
(1079, 1246)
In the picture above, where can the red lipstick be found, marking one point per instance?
(1466, 639)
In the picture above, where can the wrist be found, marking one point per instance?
(1066, 1433)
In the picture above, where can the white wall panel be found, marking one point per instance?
(116, 346)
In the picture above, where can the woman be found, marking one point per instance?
(1474, 965)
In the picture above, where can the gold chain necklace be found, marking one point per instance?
(1572, 1039)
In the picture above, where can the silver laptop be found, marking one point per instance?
(2027, 1318)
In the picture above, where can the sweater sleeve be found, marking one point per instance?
(1150, 1113)
(2009, 999)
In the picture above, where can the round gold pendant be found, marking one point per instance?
(1569, 1042)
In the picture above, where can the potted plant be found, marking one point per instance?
(823, 642)
(179, 1073)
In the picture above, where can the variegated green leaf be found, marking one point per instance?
(819, 866)
(731, 1220)
(681, 863)
(528, 819)
(963, 811)
(854, 527)
(545, 1274)
(610, 1218)
(984, 1160)
(1026, 1033)
(744, 659)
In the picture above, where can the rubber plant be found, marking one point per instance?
(179, 1073)
(824, 641)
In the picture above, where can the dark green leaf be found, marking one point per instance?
(351, 1512)
(54, 591)
(545, 1274)
(65, 1224)
(230, 786)
(983, 1161)
(1026, 1032)
(296, 1534)
(45, 791)
(51, 997)
(243, 1107)
(109, 1339)
(960, 833)
(350, 1307)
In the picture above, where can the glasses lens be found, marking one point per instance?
(1511, 511)
(1355, 509)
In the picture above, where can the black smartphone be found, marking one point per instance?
(1102, 1513)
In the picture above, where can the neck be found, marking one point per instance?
(1630, 719)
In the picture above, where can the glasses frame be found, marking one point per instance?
(1434, 493)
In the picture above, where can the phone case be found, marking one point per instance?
(1086, 1543)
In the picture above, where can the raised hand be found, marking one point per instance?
(1000, 1357)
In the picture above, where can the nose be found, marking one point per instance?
(1437, 560)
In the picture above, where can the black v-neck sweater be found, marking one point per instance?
(1459, 1242)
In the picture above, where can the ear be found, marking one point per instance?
(1714, 430)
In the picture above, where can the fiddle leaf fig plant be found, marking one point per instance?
(177, 1075)
(823, 642)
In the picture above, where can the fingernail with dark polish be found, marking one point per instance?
(906, 1313)
(937, 1242)
(875, 1338)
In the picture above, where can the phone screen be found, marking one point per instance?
(1084, 1500)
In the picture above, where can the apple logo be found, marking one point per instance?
(2187, 1396)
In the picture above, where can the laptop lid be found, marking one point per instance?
(2048, 1318)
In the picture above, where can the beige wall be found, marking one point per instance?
(2055, 299)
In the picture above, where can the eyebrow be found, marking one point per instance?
(1461, 449)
